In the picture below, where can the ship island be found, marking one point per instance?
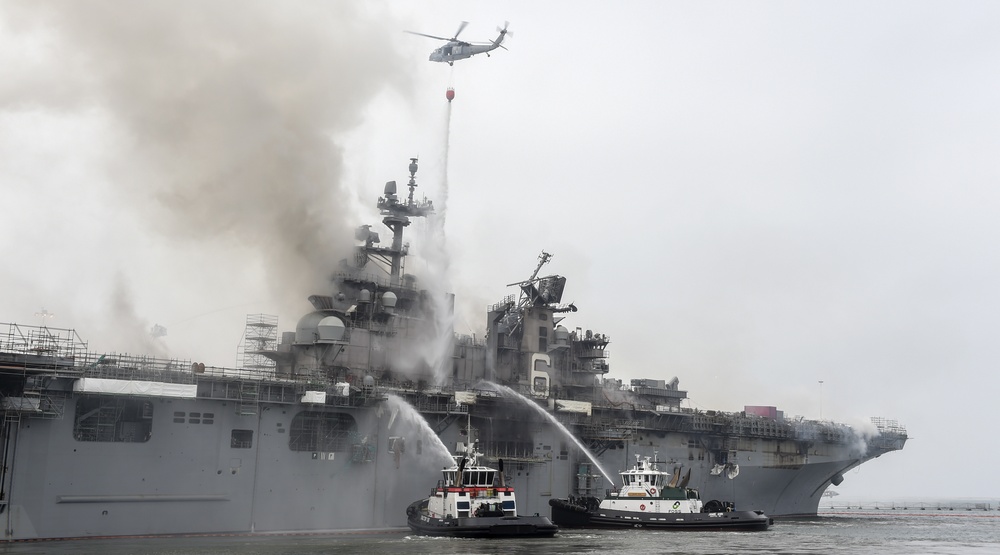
(332, 427)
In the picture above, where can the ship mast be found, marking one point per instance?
(396, 215)
(542, 259)
(528, 294)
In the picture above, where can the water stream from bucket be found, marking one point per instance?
(504, 390)
(435, 252)
(411, 416)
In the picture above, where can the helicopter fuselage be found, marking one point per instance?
(459, 51)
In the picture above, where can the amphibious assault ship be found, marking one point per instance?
(309, 434)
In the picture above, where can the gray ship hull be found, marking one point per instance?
(187, 478)
(554, 471)
(218, 464)
(306, 436)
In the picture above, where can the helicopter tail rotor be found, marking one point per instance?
(504, 33)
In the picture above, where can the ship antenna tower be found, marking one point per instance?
(528, 294)
(542, 260)
(396, 215)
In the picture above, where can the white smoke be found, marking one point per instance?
(864, 431)
(434, 254)
(223, 119)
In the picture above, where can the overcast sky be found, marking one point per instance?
(751, 196)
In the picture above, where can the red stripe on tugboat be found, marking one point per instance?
(474, 501)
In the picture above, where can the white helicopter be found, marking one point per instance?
(459, 50)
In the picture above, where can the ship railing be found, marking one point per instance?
(503, 305)
(611, 430)
(482, 391)
(411, 387)
(887, 426)
(603, 401)
(661, 421)
(250, 374)
(525, 457)
(122, 366)
(630, 424)
(738, 424)
(380, 281)
(607, 435)
(459, 408)
(464, 340)
(669, 409)
(593, 353)
(439, 405)
(42, 341)
(828, 432)
(891, 435)
(441, 400)
(522, 389)
(36, 403)
(659, 392)
(375, 327)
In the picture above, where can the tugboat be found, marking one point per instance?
(474, 501)
(650, 498)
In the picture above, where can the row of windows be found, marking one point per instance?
(650, 479)
(117, 419)
(194, 418)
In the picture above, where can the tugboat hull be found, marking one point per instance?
(570, 515)
(478, 527)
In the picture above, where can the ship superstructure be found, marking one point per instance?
(106, 444)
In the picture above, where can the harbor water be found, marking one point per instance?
(841, 530)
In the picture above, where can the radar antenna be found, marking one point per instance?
(396, 215)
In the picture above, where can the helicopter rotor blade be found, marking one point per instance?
(426, 35)
(459, 31)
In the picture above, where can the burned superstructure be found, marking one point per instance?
(301, 437)
(375, 319)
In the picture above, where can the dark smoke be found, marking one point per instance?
(227, 113)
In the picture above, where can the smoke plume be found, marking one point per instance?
(227, 114)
